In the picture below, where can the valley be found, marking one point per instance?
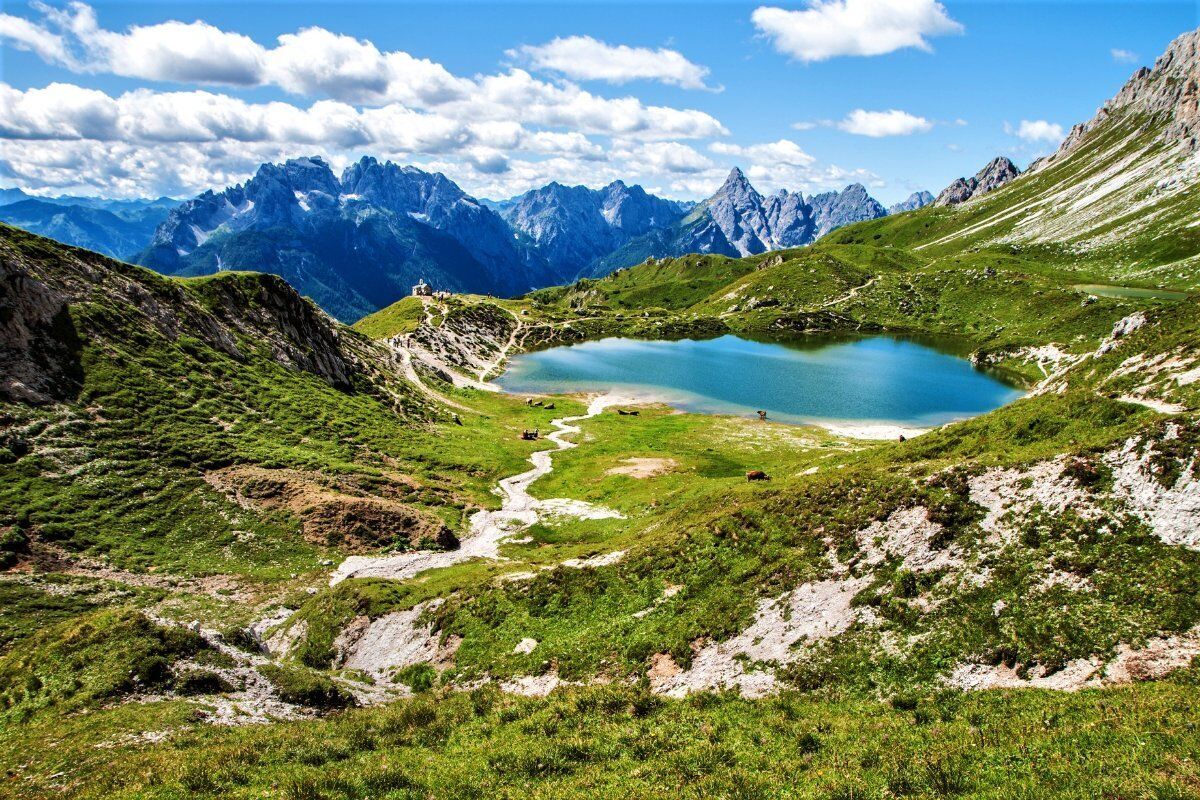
(249, 550)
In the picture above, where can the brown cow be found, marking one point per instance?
(757, 475)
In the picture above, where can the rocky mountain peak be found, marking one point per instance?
(999, 171)
(736, 185)
(1167, 93)
(996, 173)
(915, 200)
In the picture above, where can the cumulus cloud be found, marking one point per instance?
(318, 62)
(88, 127)
(784, 152)
(68, 112)
(1037, 130)
(315, 61)
(495, 134)
(586, 58)
(1123, 56)
(782, 164)
(664, 158)
(831, 28)
(24, 35)
(892, 122)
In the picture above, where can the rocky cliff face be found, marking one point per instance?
(739, 221)
(754, 224)
(833, 210)
(572, 226)
(995, 174)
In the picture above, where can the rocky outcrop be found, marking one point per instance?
(334, 512)
(999, 171)
(1167, 93)
(39, 347)
(41, 282)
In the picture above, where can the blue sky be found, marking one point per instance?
(136, 99)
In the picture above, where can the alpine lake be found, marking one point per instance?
(815, 379)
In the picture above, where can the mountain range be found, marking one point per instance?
(574, 226)
(357, 242)
(117, 228)
(353, 243)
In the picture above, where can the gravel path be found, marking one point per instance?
(518, 511)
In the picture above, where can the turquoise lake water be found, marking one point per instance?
(877, 380)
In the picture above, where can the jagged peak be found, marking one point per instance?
(1168, 92)
(997, 172)
(736, 176)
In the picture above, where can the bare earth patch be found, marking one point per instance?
(643, 467)
(335, 512)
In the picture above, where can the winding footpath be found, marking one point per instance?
(488, 529)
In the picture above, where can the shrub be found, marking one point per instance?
(305, 687)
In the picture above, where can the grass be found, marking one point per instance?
(622, 742)
(90, 658)
(403, 316)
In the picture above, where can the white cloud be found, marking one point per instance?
(663, 158)
(1123, 56)
(518, 95)
(97, 137)
(24, 35)
(784, 152)
(59, 111)
(884, 123)
(585, 58)
(782, 164)
(494, 134)
(1038, 130)
(831, 28)
(317, 62)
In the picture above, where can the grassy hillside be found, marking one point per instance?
(402, 316)
(126, 469)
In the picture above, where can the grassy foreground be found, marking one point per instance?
(621, 742)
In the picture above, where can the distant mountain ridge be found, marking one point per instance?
(573, 226)
(739, 221)
(115, 228)
(915, 200)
